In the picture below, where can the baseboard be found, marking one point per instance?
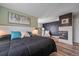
(76, 43)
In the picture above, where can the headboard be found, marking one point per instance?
(15, 28)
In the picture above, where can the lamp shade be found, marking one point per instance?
(3, 32)
(35, 31)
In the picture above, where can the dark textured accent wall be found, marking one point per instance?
(69, 16)
(53, 27)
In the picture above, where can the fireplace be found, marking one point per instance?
(63, 35)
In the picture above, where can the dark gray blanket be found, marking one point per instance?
(29, 46)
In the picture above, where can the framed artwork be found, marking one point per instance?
(65, 20)
(19, 19)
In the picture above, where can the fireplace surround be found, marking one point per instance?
(66, 28)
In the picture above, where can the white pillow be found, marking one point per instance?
(46, 34)
(25, 34)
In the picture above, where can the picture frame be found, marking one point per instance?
(65, 20)
(18, 19)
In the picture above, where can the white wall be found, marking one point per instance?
(47, 20)
(76, 27)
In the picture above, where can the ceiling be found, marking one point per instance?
(44, 11)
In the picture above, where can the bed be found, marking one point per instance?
(28, 46)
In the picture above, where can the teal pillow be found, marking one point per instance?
(15, 34)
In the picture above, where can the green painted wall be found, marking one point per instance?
(34, 22)
(4, 17)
